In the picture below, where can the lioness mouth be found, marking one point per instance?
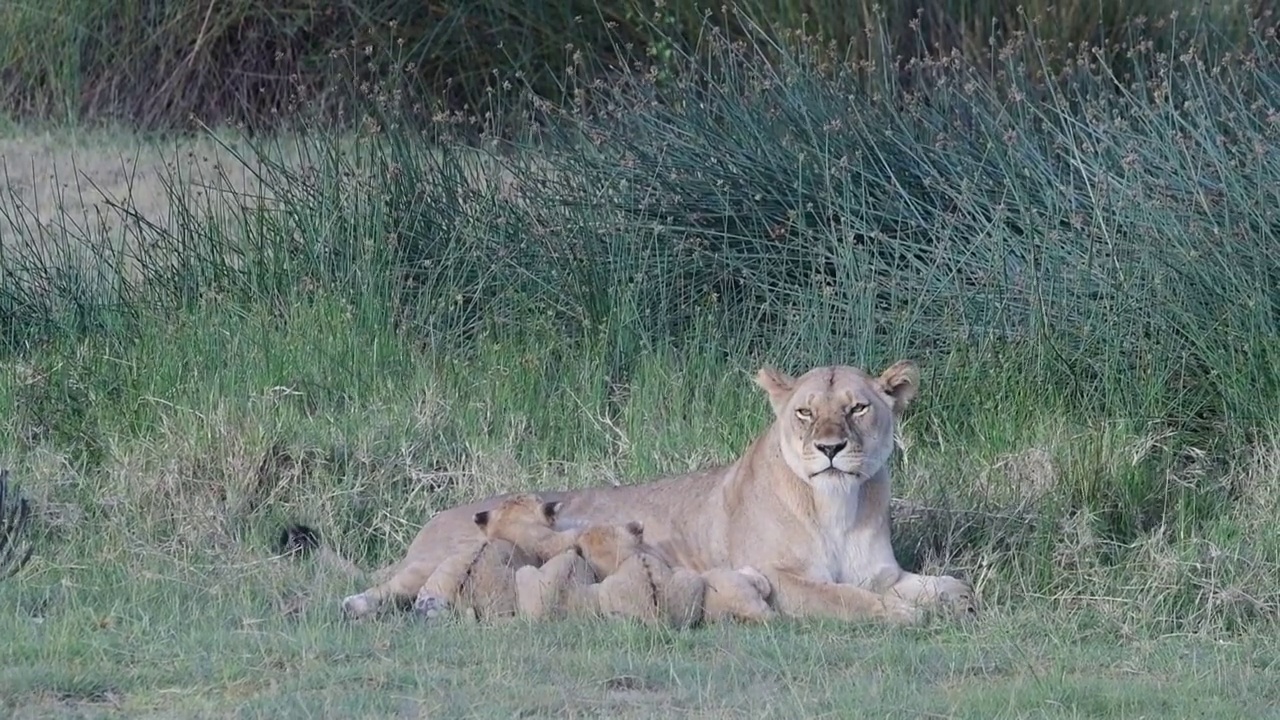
(834, 473)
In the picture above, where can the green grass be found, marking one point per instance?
(156, 590)
(389, 323)
(159, 651)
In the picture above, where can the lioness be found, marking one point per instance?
(807, 505)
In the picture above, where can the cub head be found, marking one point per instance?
(836, 424)
(516, 516)
(605, 547)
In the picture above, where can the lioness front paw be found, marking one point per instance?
(430, 606)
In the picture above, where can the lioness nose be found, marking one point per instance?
(830, 449)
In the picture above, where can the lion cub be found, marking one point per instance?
(689, 597)
(634, 582)
(482, 583)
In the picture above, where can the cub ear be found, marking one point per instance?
(900, 382)
(481, 518)
(636, 528)
(777, 384)
(551, 509)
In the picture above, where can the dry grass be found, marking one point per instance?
(82, 176)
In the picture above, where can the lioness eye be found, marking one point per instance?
(859, 408)
(804, 413)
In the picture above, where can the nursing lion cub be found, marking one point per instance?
(526, 568)
(480, 582)
(631, 581)
(806, 504)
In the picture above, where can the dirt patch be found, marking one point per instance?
(78, 178)
(88, 702)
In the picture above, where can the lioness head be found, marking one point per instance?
(516, 513)
(836, 423)
(605, 546)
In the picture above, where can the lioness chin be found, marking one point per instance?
(807, 504)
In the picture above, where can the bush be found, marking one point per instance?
(157, 65)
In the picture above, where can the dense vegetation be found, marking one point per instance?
(157, 65)
(573, 286)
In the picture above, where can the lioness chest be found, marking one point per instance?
(842, 550)
(837, 558)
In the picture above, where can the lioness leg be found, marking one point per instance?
(799, 596)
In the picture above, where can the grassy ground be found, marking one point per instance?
(156, 591)
(384, 327)
(196, 655)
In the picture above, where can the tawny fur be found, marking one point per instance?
(739, 594)
(527, 520)
(480, 585)
(736, 595)
(633, 582)
(637, 583)
(481, 582)
(564, 586)
(806, 504)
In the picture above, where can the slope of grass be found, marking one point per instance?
(156, 588)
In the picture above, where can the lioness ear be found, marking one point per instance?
(777, 384)
(550, 510)
(635, 527)
(481, 518)
(900, 382)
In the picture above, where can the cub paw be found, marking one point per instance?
(357, 606)
(957, 597)
(429, 606)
